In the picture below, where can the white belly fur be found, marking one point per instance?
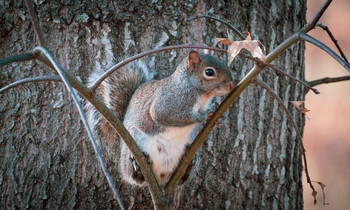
(166, 149)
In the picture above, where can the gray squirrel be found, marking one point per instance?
(159, 114)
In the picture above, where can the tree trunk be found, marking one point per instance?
(251, 159)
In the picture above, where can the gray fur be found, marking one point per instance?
(161, 114)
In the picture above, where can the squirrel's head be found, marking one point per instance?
(209, 75)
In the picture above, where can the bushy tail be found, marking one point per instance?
(116, 92)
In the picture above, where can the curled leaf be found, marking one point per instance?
(314, 193)
(323, 193)
(225, 41)
(298, 104)
(253, 46)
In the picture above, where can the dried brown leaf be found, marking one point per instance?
(314, 194)
(323, 193)
(253, 46)
(225, 41)
(249, 38)
(322, 185)
(298, 104)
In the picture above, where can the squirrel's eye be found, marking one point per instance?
(210, 72)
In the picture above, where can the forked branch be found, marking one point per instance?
(325, 48)
(324, 27)
(311, 25)
(83, 118)
(68, 79)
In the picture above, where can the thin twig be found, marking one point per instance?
(53, 78)
(282, 72)
(311, 25)
(83, 117)
(325, 48)
(35, 22)
(234, 29)
(271, 92)
(282, 47)
(324, 27)
(293, 78)
(327, 80)
(22, 57)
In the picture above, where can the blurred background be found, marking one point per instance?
(327, 132)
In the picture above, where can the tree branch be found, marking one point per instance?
(22, 57)
(32, 79)
(311, 25)
(83, 118)
(274, 67)
(293, 78)
(116, 125)
(35, 22)
(325, 48)
(324, 27)
(234, 29)
(109, 115)
(282, 47)
(327, 80)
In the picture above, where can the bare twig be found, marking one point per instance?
(234, 29)
(282, 47)
(324, 27)
(323, 193)
(325, 48)
(282, 72)
(327, 80)
(32, 79)
(22, 57)
(311, 25)
(83, 117)
(293, 78)
(35, 22)
(271, 92)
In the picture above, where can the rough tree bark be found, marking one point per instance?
(251, 159)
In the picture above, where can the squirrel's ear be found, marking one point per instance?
(193, 60)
